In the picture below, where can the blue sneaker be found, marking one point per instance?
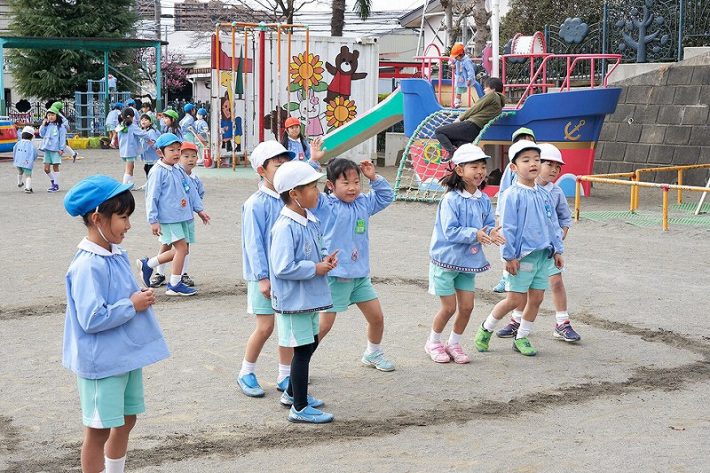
(145, 271)
(180, 289)
(250, 386)
(500, 287)
(510, 330)
(283, 385)
(377, 360)
(287, 400)
(566, 333)
(309, 415)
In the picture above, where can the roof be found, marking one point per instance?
(413, 18)
(96, 44)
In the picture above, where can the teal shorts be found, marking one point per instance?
(444, 282)
(461, 90)
(257, 304)
(296, 330)
(535, 270)
(350, 291)
(52, 157)
(172, 232)
(129, 160)
(25, 171)
(105, 402)
(554, 270)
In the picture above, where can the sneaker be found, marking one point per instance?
(287, 400)
(54, 188)
(158, 280)
(20, 184)
(509, 330)
(180, 289)
(250, 386)
(28, 191)
(73, 158)
(145, 271)
(187, 280)
(483, 338)
(309, 415)
(283, 384)
(565, 332)
(457, 354)
(437, 351)
(377, 360)
(523, 346)
(500, 287)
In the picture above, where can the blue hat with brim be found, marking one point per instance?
(130, 102)
(166, 139)
(118, 105)
(91, 192)
(202, 112)
(189, 107)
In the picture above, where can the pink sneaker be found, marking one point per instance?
(457, 354)
(437, 352)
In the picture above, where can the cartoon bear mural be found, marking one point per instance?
(343, 72)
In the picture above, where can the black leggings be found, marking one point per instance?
(298, 385)
(456, 134)
(147, 168)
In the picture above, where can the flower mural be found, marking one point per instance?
(339, 111)
(306, 72)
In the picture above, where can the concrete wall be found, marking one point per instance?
(663, 118)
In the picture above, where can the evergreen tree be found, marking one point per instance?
(58, 73)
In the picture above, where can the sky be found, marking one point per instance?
(377, 5)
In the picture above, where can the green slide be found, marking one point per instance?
(366, 125)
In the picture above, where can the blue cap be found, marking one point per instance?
(166, 139)
(91, 192)
(118, 105)
(130, 102)
(202, 112)
(188, 107)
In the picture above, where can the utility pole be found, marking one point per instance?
(156, 9)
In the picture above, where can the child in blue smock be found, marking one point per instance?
(533, 244)
(464, 223)
(552, 163)
(464, 71)
(188, 161)
(344, 212)
(23, 156)
(170, 200)
(54, 139)
(129, 143)
(294, 140)
(259, 213)
(187, 122)
(110, 331)
(202, 135)
(169, 123)
(149, 154)
(298, 263)
(113, 118)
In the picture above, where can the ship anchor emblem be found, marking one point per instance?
(570, 133)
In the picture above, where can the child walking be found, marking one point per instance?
(294, 140)
(464, 71)
(170, 200)
(259, 213)
(23, 156)
(113, 118)
(110, 332)
(552, 163)
(54, 139)
(129, 143)
(464, 223)
(299, 263)
(202, 135)
(344, 212)
(532, 243)
(149, 153)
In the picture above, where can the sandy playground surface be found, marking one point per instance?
(632, 396)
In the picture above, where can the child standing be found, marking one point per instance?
(112, 120)
(110, 332)
(65, 123)
(551, 166)
(294, 140)
(187, 122)
(170, 200)
(532, 242)
(188, 161)
(344, 212)
(170, 123)
(464, 71)
(299, 263)
(54, 139)
(23, 155)
(202, 135)
(149, 153)
(129, 143)
(259, 213)
(464, 222)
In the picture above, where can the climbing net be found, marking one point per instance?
(424, 161)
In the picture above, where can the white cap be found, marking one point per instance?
(267, 150)
(293, 174)
(519, 146)
(468, 153)
(549, 152)
(29, 129)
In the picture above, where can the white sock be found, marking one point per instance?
(561, 317)
(56, 178)
(126, 178)
(435, 337)
(115, 465)
(284, 371)
(372, 347)
(490, 322)
(454, 338)
(524, 329)
(249, 368)
(175, 279)
(50, 175)
(186, 264)
(160, 269)
(28, 183)
(153, 262)
(19, 179)
(517, 315)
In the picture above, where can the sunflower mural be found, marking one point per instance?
(339, 111)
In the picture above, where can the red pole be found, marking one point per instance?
(262, 71)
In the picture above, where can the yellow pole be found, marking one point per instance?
(636, 191)
(680, 183)
(665, 209)
(631, 197)
(578, 191)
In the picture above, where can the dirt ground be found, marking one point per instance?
(631, 396)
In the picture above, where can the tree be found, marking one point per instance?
(174, 75)
(337, 22)
(58, 73)
(278, 10)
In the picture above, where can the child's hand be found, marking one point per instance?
(332, 258)
(265, 287)
(496, 236)
(317, 150)
(155, 229)
(323, 268)
(205, 218)
(368, 169)
(61, 152)
(559, 262)
(512, 266)
(143, 299)
(483, 237)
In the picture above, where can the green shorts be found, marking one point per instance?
(104, 402)
(534, 272)
(444, 282)
(461, 90)
(52, 157)
(350, 291)
(25, 171)
(554, 270)
(129, 160)
(257, 304)
(172, 232)
(296, 330)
